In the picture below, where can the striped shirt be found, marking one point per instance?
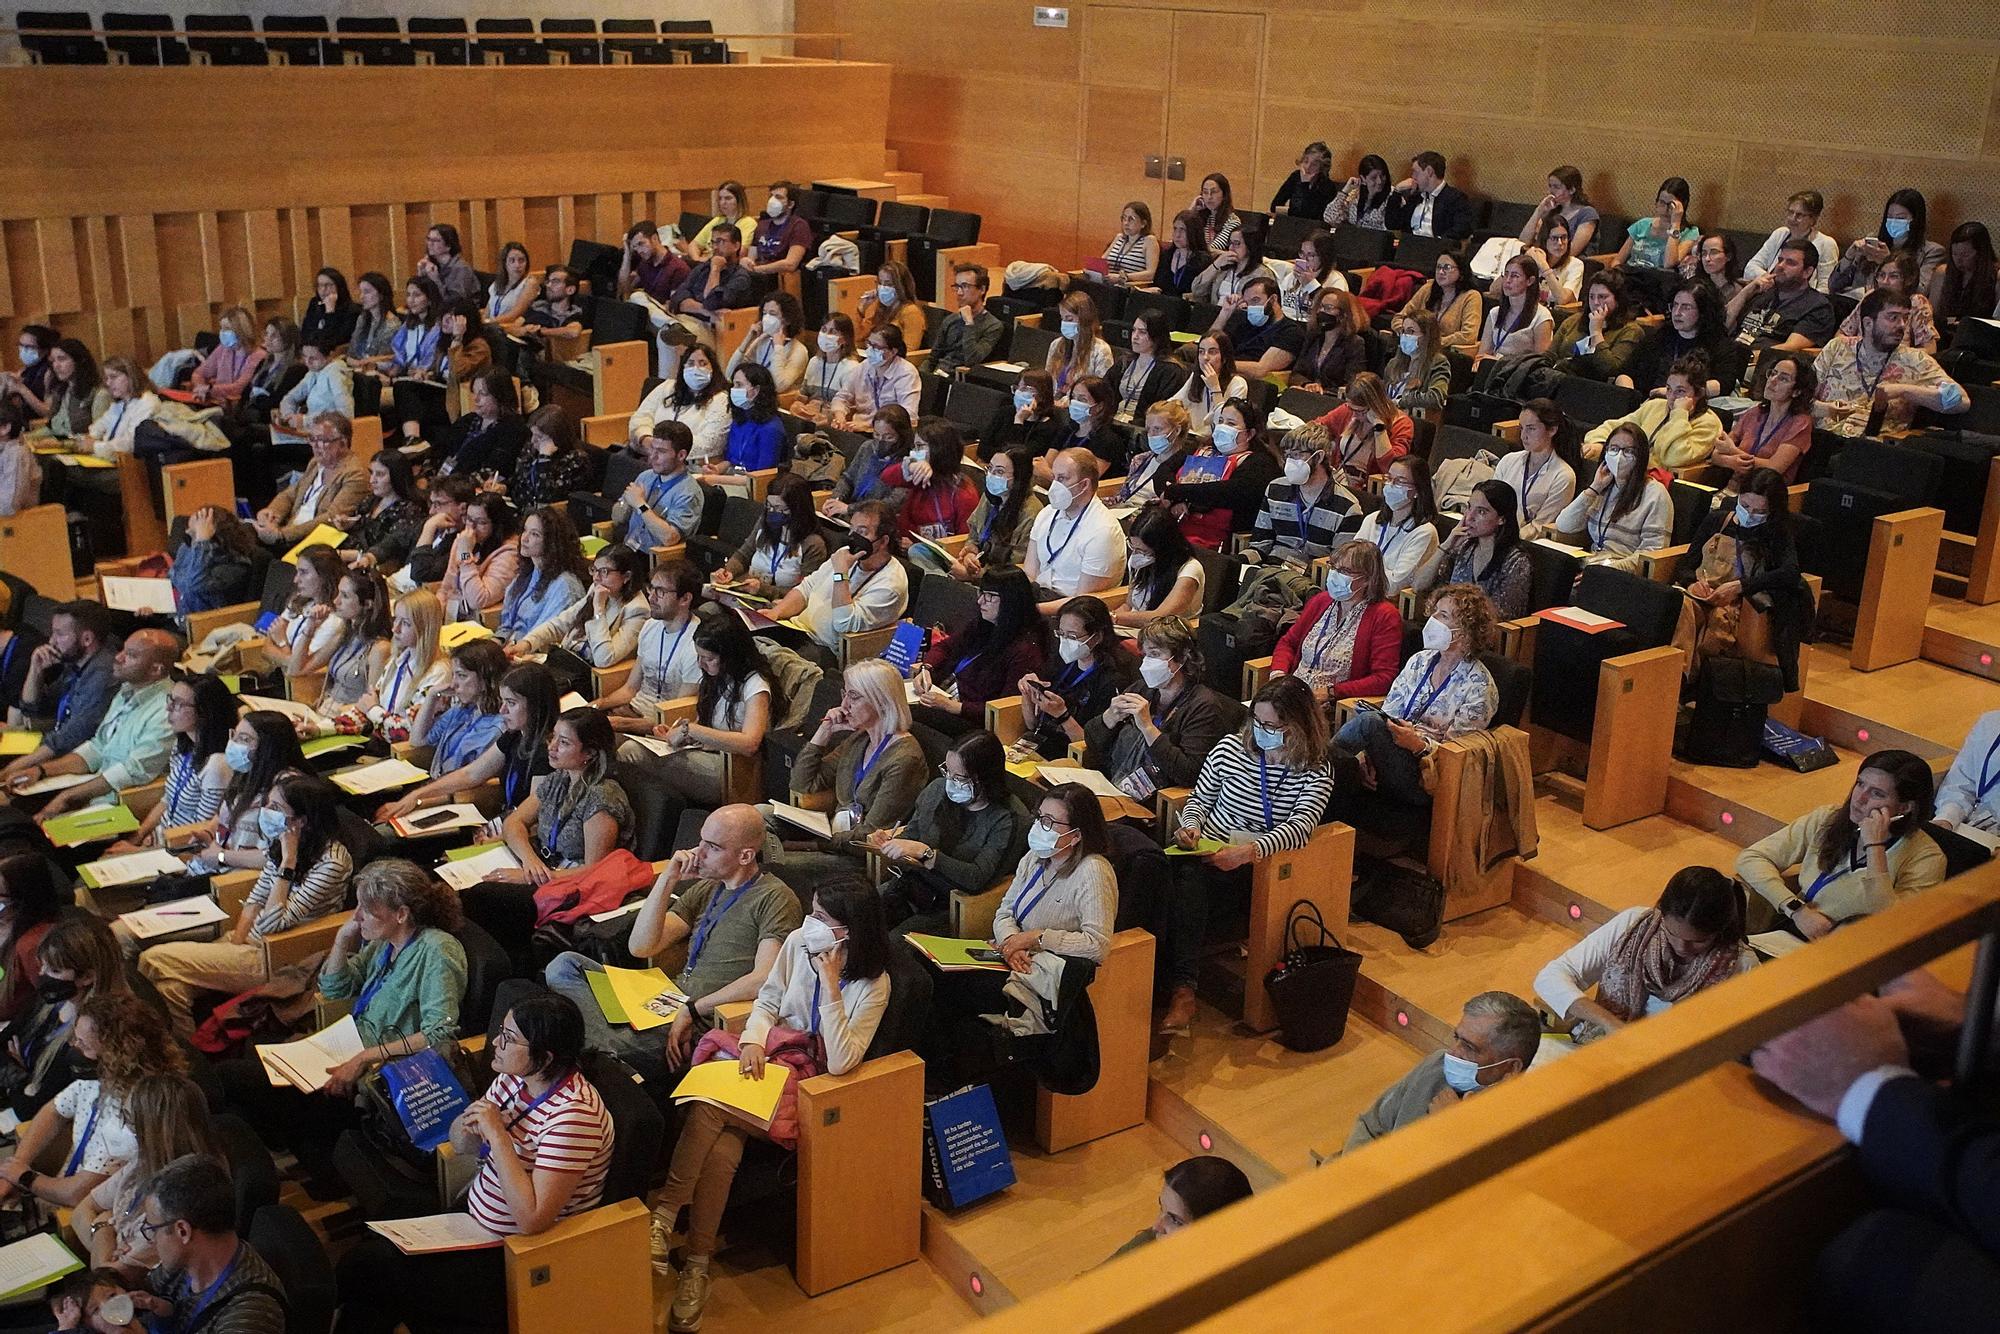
(194, 789)
(321, 890)
(1229, 799)
(1311, 530)
(568, 1132)
(1126, 254)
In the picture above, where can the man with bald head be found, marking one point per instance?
(732, 913)
(132, 743)
(1076, 546)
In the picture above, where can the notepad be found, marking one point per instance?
(461, 632)
(813, 822)
(32, 1263)
(321, 745)
(1096, 783)
(131, 869)
(304, 1064)
(1576, 618)
(465, 872)
(1775, 944)
(642, 997)
(324, 535)
(90, 826)
(657, 745)
(291, 708)
(155, 596)
(436, 1233)
(180, 915)
(722, 1084)
(1202, 847)
(381, 776)
(19, 743)
(54, 783)
(953, 955)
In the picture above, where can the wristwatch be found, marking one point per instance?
(1792, 906)
(839, 578)
(29, 1176)
(929, 860)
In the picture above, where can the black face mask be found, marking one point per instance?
(860, 545)
(55, 990)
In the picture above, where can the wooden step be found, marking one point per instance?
(751, 1287)
(891, 159)
(1582, 877)
(1418, 994)
(1963, 636)
(1932, 700)
(906, 182)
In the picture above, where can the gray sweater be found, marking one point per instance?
(1406, 1100)
(972, 845)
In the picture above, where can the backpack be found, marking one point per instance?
(1732, 697)
(815, 460)
(1456, 477)
(1268, 600)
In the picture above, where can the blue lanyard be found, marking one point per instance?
(812, 1024)
(1987, 780)
(1828, 876)
(525, 770)
(1021, 912)
(83, 1140)
(375, 982)
(208, 1293)
(396, 682)
(1053, 552)
(868, 762)
(1330, 617)
(343, 655)
(707, 924)
(672, 649)
(985, 532)
(7, 658)
(1416, 714)
(777, 559)
(1528, 484)
(1384, 535)
(1264, 791)
(655, 491)
(526, 1112)
(1775, 422)
(1071, 678)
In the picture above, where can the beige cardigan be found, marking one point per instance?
(1915, 862)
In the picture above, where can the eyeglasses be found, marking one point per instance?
(328, 439)
(148, 1228)
(1053, 825)
(504, 1039)
(603, 571)
(988, 595)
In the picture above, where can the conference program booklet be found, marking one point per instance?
(381, 776)
(133, 868)
(19, 743)
(813, 822)
(462, 873)
(953, 955)
(122, 593)
(92, 825)
(305, 1064)
(180, 915)
(33, 1263)
(436, 1233)
(325, 535)
(642, 997)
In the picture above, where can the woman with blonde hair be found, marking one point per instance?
(132, 402)
(1168, 440)
(168, 1114)
(412, 670)
(225, 373)
(1368, 430)
(1081, 350)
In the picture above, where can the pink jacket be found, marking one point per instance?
(798, 1052)
(468, 590)
(228, 371)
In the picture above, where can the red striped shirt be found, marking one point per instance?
(569, 1132)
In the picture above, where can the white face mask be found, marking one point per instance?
(1437, 635)
(1155, 672)
(1042, 840)
(886, 294)
(1224, 437)
(875, 356)
(771, 326)
(1061, 496)
(1620, 462)
(1298, 471)
(816, 936)
(829, 345)
(1072, 650)
(1139, 560)
(774, 207)
(1395, 495)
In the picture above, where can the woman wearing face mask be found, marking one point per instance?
(1853, 858)
(893, 300)
(305, 876)
(201, 712)
(1092, 427)
(816, 1013)
(1093, 668)
(1005, 515)
(1898, 273)
(941, 498)
(756, 436)
(1693, 325)
(485, 557)
(1485, 550)
(780, 551)
(1080, 351)
(1311, 273)
(832, 364)
(1159, 453)
(79, 960)
(1348, 639)
(1418, 374)
(553, 464)
(1334, 351)
(516, 757)
(1219, 489)
(1307, 507)
(1599, 341)
(697, 398)
(263, 748)
(1519, 325)
(884, 378)
(1904, 220)
(1745, 550)
(1443, 691)
(1644, 960)
(1162, 572)
(1777, 432)
(1368, 430)
(383, 533)
(1541, 473)
(553, 574)
(461, 723)
(967, 826)
(1151, 373)
(775, 343)
(1213, 383)
(225, 373)
(1262, 789)
(29, 386)
(1185, 258)
(1679, 426)
(890, 438)
(1453, 302)
(984, 661)
(862, 752)
(1402, 528)
(1154, 734)
(1193, 1188)
(30, 902)
(1036, 422)
(357, 659)
(1623, 511)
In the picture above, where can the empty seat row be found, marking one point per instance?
(70, 37)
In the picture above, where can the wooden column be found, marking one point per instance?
(1896, 591)
(1322, 871)
(1121, 995)
(1632, 736)
(1982, 582)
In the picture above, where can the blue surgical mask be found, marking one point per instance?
(739, 396)
(1159, 444)
(1461, 1074)
(227, 337)
(996, 485)
(874, 357)
(1409, 343)
(1746, 518)
(1267, 738)
(960, 790)
(1079, 411)
(1069, 328)
(30, 355)
(237, 756)
(271, 823)
(1023, 398)
(921, 454)
(886, 294)
(1224, 437)
(1340, 585)
(696, 378)
(1897, 228)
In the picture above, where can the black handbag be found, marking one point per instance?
(1732, 700)
(1408, 902)
(1312, 988)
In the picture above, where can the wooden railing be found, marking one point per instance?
(1464, 1175)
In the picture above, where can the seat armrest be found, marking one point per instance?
(1661, 564)
(731, 1016)
(1256, 671)
(303, 941)
(1345, 709)
(1004, 719)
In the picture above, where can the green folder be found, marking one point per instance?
(1202, 847)
(592, 545)
(470, 850)
(607, 997)
(321, 745)
(42, 1255)
(91, 825)
(948, 952)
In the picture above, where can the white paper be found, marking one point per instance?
(380, 776)
(572, 701)
(304, 1064)
(1011, 367)
(291, 708)
(624, 910)
(1099, 785)
(1775, 944)
(464, 874)
(55, 784)
(463, 815)
(813, 822)
(180, 915)
(1983, 837)
(658, 745)
(33, 1262)
(140, 595)
(131, 868)
(9, 1122)
(455, 1231)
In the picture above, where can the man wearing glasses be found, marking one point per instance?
(333, 486)
(969, 338)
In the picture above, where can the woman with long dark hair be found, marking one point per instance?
(461, 722)
(1964, 286)
(554, 463)
(1404, 527)
(1004, 517)
(1744, 550)
(1151, 373)
(553, 574)
(1623, 511)
(966, 827)
(783, 549)
(331, 312)
(1216, 212)
(1777, 432)
(201, 713)
(1161, 570)
(1904, 226)
(381, 534)
(485, 558)
(76, 394)
(1220, 486)
(1095, 666)
(1542, 472)
(941, 499)
(983, 662)
(262, 748)
(1485, 550)
(516, 757)
(1364, 200)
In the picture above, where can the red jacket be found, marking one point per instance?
(1378, 647)
(1402, 436)
(932, 506)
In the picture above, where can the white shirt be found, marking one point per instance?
(1405, 548)
(1520, 341)
(1767, 255)
(874, 600)
(1200, 404)
(731, 717)
(1541, 499)
(1420, 216)
(846, 1021)
(1065, 550)
(1191, 570)
(1565, 979)
(1978, 764)
(111, 1139)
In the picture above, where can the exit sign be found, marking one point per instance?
(1047, 16)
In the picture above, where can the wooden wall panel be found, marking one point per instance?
(6, 281)
(336, 239)
(55, 256)
(138, 251)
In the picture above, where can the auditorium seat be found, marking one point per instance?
(50, 49)
(233, 47)
(149, 51)
(579, 45)
(493, 46)
(444, 42)
(634, 44)
(373, 41)
(311, 49)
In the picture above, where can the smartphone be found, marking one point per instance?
(987, 956)
(432, 820)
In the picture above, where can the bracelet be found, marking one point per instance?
(1870, 847)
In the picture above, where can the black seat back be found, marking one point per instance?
(1361, 247)
(981, 412)
(1692, 502)
(944, 604)
(579, 45)
(1896, 469)
(487, 965)
(1649, 609)
(904, 1017)
(1283, 237)
(493, 45)
(312, 48)
(630, 41)
(289, 1245)
(615, 321)
(1963, 463)
(251, 1169)
(638, 1128)
(1834, 545)
(145, 50)
(1513, 681)
(444, 41)
(1505, 217)
(377, 41)
(52, 49)
(225, 50)
(1588, 402)
(1462, 442)
(1421, 252)
(895, 218)
(1220, 572)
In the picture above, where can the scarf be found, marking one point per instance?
(1641, 965)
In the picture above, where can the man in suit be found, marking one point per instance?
(1925, 1260)
(333, 486)
(1496, 1039)
(1422, 203)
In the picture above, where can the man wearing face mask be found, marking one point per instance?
(968, 338)
(783, 239)
(333, 486)
(1306, 510)
(1496, 1040)
(1265, 339)
(1076, 546)
(720, 282)
(732, 913)
(662, 504)
(68, 685)
(862, 586)
(131, 744)
(1878, 368)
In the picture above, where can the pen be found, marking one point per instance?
(181, 912)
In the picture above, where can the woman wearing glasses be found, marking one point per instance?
(966, 827)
